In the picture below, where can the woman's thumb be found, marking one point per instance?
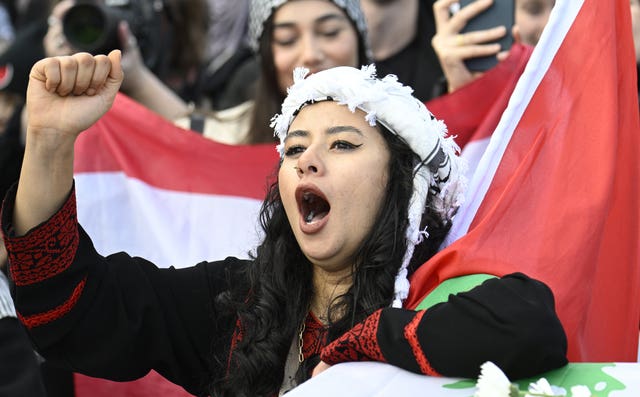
(115, 74)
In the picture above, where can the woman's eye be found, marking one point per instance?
(284, 43)
(344, 145)
(293, 150)
(331, 33)
(284, 37)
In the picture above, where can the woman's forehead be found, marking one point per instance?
(329, 116)
(325, 112)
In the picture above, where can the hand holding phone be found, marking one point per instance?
(500, 13)
(455, 46)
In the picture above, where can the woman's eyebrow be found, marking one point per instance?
(329, 131)
(329, 17)
(296, 133)
(319, 20)
(343, 128)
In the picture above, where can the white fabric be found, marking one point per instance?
(373, 379)
(6, 303)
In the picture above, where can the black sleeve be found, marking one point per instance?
(510, 321)
(20, 374)
(133, 317)
(118, 317)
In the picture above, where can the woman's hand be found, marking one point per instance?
(142, 85)
(67, 94)
(453, 47)
(321, 367)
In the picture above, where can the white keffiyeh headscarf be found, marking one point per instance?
(391, 104)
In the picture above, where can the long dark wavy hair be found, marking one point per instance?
(268, 95)
(281, 288)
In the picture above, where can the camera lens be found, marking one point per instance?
(88, 27)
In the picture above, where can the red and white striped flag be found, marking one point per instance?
(172, 196)
(555, 194)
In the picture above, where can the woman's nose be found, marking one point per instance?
(311, 52)
(309, 163)
(312, 169)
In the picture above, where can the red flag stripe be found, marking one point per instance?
(136, 141)
(563, 203)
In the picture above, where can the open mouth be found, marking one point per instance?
(313, 206)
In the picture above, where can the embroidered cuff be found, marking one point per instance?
(39, 319)
(360, 343)
(411, 334)
(46, 250)
(6, 303)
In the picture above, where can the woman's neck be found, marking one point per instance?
(327, 286)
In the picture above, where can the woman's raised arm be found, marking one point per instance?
(66, 95)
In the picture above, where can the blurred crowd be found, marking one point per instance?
(221, 68)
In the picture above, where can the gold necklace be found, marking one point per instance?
(301, 341)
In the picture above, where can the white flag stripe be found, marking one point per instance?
(166, 227)
(473, 152)
(560, 21)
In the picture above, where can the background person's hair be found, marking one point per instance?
(282, 289)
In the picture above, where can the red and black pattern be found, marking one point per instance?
(411, 334)
(45, 251)
(236, 338)
(314, 337)
(358, 344)
(39, 319)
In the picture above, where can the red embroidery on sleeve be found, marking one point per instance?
(360, 343)
(39, 319)
(411, 334)
(46, 251)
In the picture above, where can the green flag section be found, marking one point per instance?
(596, 376)
(452, 286)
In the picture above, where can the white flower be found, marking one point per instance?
(541, 387)
(492, 382)
(580, 391)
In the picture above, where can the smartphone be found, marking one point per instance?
(501, 13)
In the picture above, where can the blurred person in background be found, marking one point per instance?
(400, 33)
(317, 34)
(531, 18)
(230, 69)
(15, 63)
(454, 48)
(163, 76)
(21, 42)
